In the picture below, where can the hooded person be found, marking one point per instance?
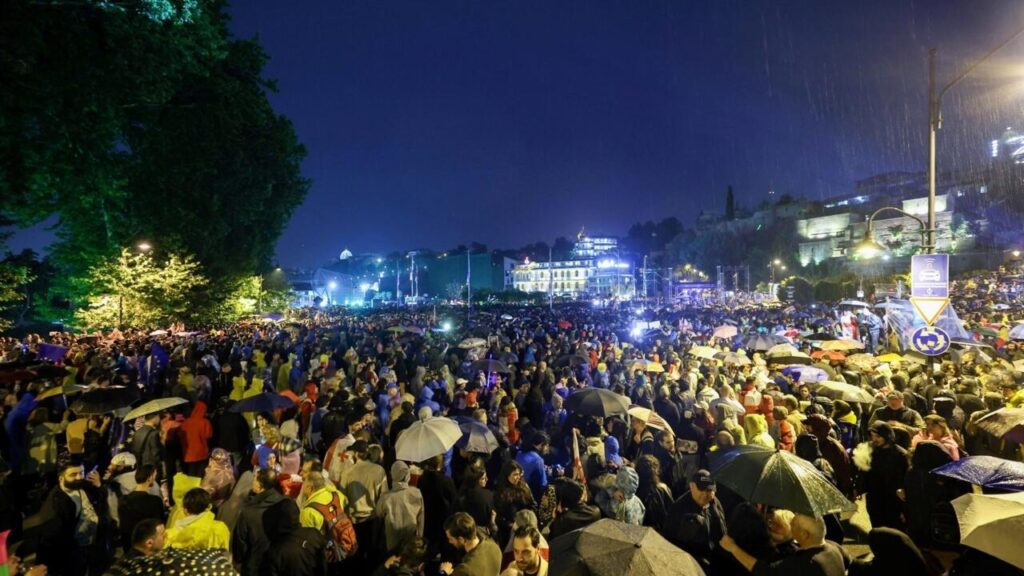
(832, 451)
(620, 501)
(884, 477)
(756, 428)
(219, 478)
(293, 549)
(401, 508)
(893, 554)
(427, 399)
(807, 448)
(195, 434)
(611, 452)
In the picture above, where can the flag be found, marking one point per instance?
(577, 464)
(4, 571)
(52, 352)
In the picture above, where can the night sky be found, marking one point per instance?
(432, 124)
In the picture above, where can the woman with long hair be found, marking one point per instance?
(511, 494)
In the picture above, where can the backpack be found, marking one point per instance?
(338, 527)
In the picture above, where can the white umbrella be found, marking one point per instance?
(993, 524)
(706, 352)
(725, 331)
(158, 405)
(158, 332)
(650, 417)
(427, 438)
(469, 343)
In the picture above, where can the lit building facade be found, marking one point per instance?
(595, 271)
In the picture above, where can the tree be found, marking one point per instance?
(730, 204)
(138, 119)
(134, 290)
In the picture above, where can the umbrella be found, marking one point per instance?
(477, 437)
(158, 405)
(705, 352)
(844, 392)
(993, 524)
(760, 342)
(987, 471)
(855, 304)
(732, 358)
(915, 358)
(427, 438)
(647, 366)
(832, 355)
(597, 402)
(58, 390)
(158, 333)
(805, 373)
(470, 343)
(786, 349)
(841, 345)
(180, 562)
(861, 361)
(273, 317)
(725, 331)
(44, 371)
(821, 337)
(612, 548)
(1005, 423)
(263, 402)
(103, 400)
(779, 479)
(16, 375)
(796, 358)
(890, 357)
(1017, 332)
(650, 417)
(572, 360)
(489, 366)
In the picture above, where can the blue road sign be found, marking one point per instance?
(929, 276)
(930, 340)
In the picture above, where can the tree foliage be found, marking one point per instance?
(135, 290)
(142, 119)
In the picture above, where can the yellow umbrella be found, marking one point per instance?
(890, 357)
(841, 345)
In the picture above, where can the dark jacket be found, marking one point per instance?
(57, 547)
(694, 529)
(293, 550)
(578, 516)
(231, 432)
(135, 507)
(148, 449)
(248, 540)
(894, 554)
(438, 499)
(887, 474)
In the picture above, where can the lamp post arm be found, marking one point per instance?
(969, 69)
(871, 219)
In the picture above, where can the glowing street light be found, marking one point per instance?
(144, 246)
(868, 248)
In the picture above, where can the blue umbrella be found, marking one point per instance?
(477, 437)
(265, 402)
(805, 373)
(987, 471)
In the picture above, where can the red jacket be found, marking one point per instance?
(195, 433)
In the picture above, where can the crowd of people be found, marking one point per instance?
(312, 485)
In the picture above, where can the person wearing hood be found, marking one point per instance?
(893, 554)
(294, 550)
(248, 539)
(401, 509)
(924, 491)
(756, 429)
(807, 448)
(832, 451)
(427, 399)
(884, 477)
(199, 528)
(195, 433)
(620, 500)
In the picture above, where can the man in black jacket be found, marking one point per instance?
(294, 550)
(248, 540)
(885, 478)
(698, 520)
(573, 511)
(71, 543)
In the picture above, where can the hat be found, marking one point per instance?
(123, 460)
(894, 394)
(703, 480)
(884, 430)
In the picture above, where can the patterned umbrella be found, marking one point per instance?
(861, 361)
(612, 548)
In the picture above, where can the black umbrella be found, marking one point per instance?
(265, 402)
(779, 479)
(597, 402)
(571, 360)
(489, 366)
(821, 337)
(44, 371)
(612, 548)
(103, 400)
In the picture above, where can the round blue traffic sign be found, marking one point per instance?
(930, 340)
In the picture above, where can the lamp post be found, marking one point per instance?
(868, 248)
(143, 247)
(935, 122)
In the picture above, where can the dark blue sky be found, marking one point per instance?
(431, 124)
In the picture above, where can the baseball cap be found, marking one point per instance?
(703, 480)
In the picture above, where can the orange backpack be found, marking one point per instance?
(338, 527)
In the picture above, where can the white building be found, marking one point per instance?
(595, 271)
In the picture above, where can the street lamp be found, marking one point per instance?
(144, 246)
(771, 269)
(935, 122)
(868, 248)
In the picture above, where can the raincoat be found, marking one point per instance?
(628, 507)
(199, 531)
